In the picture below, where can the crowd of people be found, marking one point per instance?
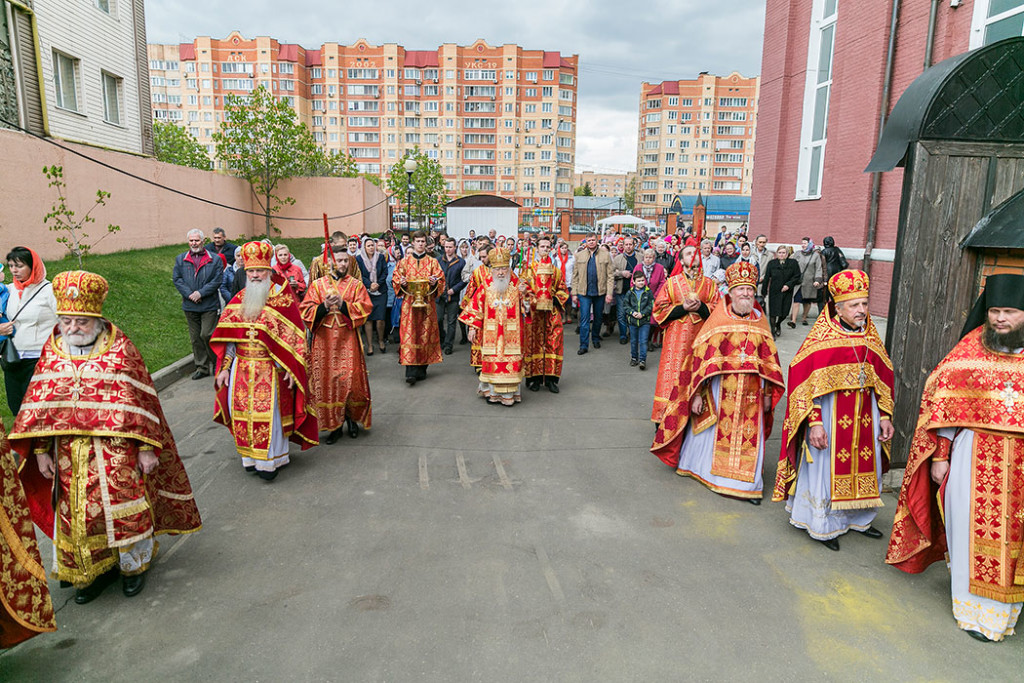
(287, 348)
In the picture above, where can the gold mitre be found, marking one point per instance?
(741, 273)
(848, 284)
(257, 255)
(80, 293)
(499, 257)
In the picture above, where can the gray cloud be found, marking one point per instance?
(619, 44)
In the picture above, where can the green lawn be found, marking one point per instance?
(144, 303)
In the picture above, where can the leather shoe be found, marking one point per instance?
(133, 585)
(580, 352)
(251, 469)
(872, 532)
(979, 636)
(199, 374)
(597, 343)
(623, 341)
(831, 544)
(268, 476)
(333, 436)
(99, 584)
(410, 381)
(754, 501)
(552, 387)
(533, 386)
(353, 428)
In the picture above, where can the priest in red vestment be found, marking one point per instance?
(93, 437)
(262, 394)
(734, 383)
(544, 340)
(835, 439)
(25, 607)
(963, 491)
(680, 308)
(334, 309)
(419, 280)
(496, 316)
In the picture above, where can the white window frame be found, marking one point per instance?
(59, 77)
(808, 145)
(981, 20)
(108, 80)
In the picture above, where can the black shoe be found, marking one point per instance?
(597, 343)
(754, 501)
(623, 341)
(979, 636)
(333, 436)
(133, 585)
(463, 342)
(552, 387)
(581, 351)
(410, 381)
(99, 584)
(533, 386)
(448, 351)
(199, 374)
(643, 365)
(791, 324)
(251, 469)
(633, 362)
(353, 428)
(831, 544)
(872, 532)
(268, 476)
(606, 334)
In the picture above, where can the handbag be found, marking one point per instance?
(8, 351)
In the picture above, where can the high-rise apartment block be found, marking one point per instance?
(605, 184)
(499, 120)
(695, 136)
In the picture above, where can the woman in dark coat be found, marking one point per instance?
(373, 267)
(781, 276)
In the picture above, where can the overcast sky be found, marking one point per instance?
(619, 43)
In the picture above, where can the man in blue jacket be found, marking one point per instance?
(448, 303)
(197, 276)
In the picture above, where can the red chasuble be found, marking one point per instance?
(544, 340)
(850, 365)
(420, 338)
(499, 321)
(481, 277)
(25, 607)
(104, 400)
(982, 390)
(743, 352)
(267, 349)
(679, 334)
(337, 369)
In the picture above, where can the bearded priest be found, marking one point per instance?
(334, 309)
(544, 338)
(496, 317)
(418, 280)
(262, 394)
(92, 431)
(835, 439)
(963, 491)
(734, 383)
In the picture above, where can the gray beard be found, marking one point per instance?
(501, 284)
(256, 294)
(1002, 343)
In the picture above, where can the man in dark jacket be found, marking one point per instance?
(220, 245)
(197, 276)
(448, 303)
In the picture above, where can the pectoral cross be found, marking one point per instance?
(251, 334)
(863, 377)
(743, 356)
(1009, 395)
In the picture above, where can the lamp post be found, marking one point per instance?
(410, 168)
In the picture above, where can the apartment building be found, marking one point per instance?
(77, 71)
(604, 184)
(498, 119)
(695, 136)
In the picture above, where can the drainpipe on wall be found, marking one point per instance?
(930, 40)
(876, 177)
(21, 6)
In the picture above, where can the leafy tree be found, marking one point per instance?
(429, 192)
(62, 219)
(585, 191)
(261, 140)
(175, 145)
(629, 196)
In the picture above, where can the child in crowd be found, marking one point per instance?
(639, 303)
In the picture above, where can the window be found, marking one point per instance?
(363, 74)
(318, 72)
(103, 5)
(995, 20)
(65, 80)
(818, 87)
(733, 101)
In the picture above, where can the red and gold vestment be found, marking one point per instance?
(267, 349)
(101, 409)
(544, 338)
(743, 353)
(337, 369)
(25, 607)
(851, 365)
(981, 390)
(499, 320)
(418, 333)
(679, 333)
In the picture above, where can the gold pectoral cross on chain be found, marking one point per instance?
(1009, 395)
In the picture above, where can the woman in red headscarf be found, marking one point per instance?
(31, 313)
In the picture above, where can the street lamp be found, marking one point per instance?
(410, 168)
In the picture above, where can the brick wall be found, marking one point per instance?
(997, 261)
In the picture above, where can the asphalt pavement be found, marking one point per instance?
(461, 541)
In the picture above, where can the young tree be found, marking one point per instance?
(261, 140)
(62, 219)
(429, 191)
(175, 145)
(629, 196)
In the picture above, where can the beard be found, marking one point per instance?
(84, 339)
(500, 284)
(1006, 341)
(256, 294)
(742, 307)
